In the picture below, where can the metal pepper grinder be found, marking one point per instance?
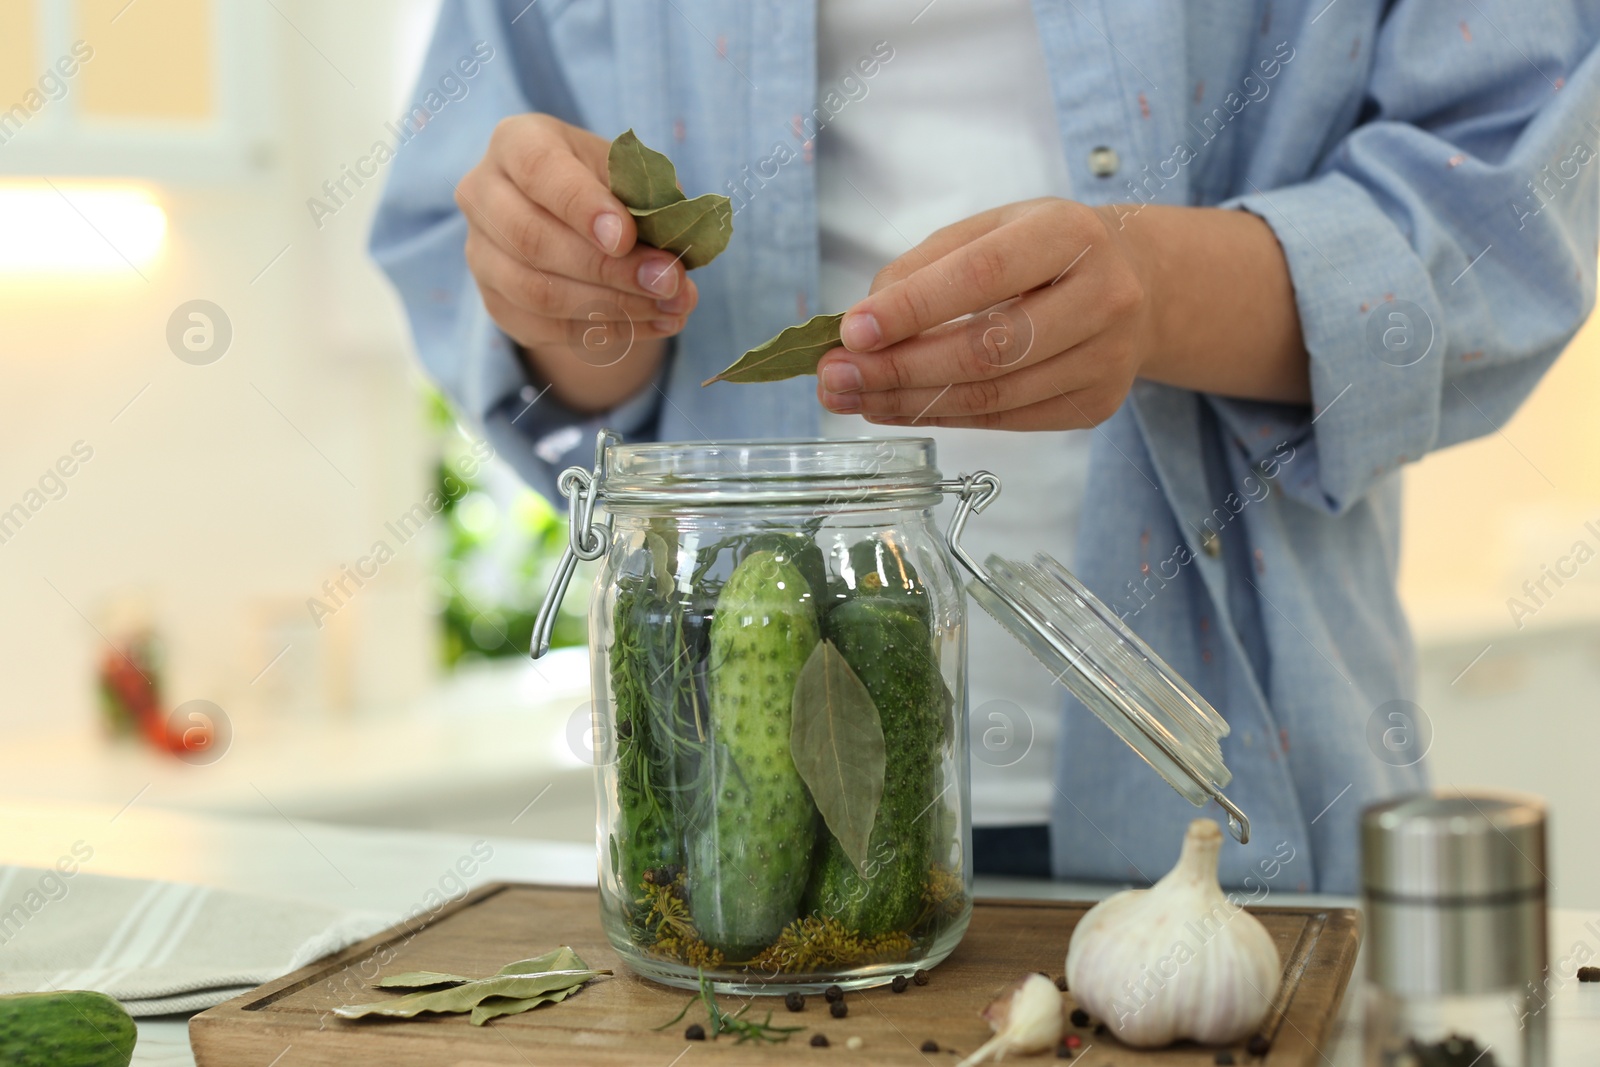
(1453, 890)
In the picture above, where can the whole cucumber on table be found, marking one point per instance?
(750, 849)
(64, 1029)
(887, 642)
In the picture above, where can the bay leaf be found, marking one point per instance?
(465, 997)
(421, 980)
(641, 177)
(561, 959)
(795, 351)
(836, 742)
(495, 1007)
(696, 231)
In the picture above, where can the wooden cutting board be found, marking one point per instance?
(288, 1023)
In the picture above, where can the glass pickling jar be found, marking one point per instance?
(778, 646)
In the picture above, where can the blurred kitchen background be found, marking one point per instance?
(236, 464)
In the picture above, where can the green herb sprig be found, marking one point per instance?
(722, 1022)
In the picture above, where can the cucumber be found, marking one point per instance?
(886, 641)
(883, 569)
(797, 548)
(64, 1029)
(750, 852)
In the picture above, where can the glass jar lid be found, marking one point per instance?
(1102, 662)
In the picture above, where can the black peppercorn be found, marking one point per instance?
(930, 1045)
(833, 994)
(1061, 982)
(839, 1009)
(1589, 974)
(1063, 1051)
(696, 1032)
(794, 1000)
(1258, 1045)
(920, 976)
(899, 984)
(819, 1040)
(1100, 1029)
(1223, 1058)
(1080, 1018)
(625, 729)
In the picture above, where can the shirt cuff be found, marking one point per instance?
(1371, 322)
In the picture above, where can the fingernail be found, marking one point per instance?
(841, 376)
(675, 306)
(666, 325)
(847, 404)
(659, 276)
(608, 231)
(860, 331)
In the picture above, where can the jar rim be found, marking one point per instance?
(832, 471)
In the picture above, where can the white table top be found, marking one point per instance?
(393, 870)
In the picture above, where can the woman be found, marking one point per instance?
(1269, 252)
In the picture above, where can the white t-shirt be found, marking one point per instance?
(960, 119)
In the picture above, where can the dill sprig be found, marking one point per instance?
(722, 1022)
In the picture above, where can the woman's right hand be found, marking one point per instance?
(555, 256)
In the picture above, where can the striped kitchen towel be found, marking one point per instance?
(158, 947)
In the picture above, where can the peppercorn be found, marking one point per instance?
(794, 1000)
(899, 984)
(696, 1032)
(930, 1045)
(1063, 1051)
(854, 1042)
(920, 976)
(625, 729)
(819, 1040)
(1080, 1018)
(1099, 1029)
(1072, 1041)
(833, 994)
(1258, 1045)
(1061, 982)
(839, 1009)
(1589, 974)
(1223, 1058)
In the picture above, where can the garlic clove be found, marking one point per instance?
(1028, 1017)
(1177, 960)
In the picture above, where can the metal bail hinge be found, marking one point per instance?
(586, 539)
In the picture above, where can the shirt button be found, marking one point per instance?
(1211, 544)
(1103, 162)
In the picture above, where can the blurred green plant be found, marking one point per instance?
(501, 544)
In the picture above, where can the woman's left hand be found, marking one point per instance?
(1065, 305)
(1060, 325)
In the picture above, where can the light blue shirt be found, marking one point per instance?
(1429, 169)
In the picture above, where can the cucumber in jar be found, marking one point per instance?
(885, 638)
(749, 850)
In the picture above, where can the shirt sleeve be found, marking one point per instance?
(1443, 252)
(419, 235)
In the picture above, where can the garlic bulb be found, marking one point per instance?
(1177, 960)
(1028, 1017)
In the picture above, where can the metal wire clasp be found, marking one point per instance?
(586, 539)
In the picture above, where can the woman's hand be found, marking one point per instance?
(1068, 304)
(554, 256)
